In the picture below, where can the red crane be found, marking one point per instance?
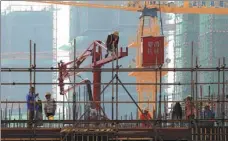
(94, 50)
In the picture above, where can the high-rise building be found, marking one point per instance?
(18, 27)
(208, 34)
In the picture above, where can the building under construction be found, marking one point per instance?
(19, 25)
(127, 95)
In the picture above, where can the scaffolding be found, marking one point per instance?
(207, 33)
(119, 126)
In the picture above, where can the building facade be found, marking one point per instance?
(18, 28)
(208, 34)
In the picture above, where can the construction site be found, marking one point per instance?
(114, 71)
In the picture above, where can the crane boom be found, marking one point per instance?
(77, 4)
(185, 9)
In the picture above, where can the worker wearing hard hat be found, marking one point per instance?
(31, 100)
(112, 42)
(49, 107)
(145, 116)
(207, 113)
(190, 109)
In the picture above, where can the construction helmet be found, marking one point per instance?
(207, 106)
(145, 109)
(116, 33)
(189, 97)
(48, 94)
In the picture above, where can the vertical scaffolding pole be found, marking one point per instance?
(30, 62)
(84, 101)
(79, 99)
(103, 99)
(30, 70)
(64, 108)
(160, 95)
(34, 81)
(0, 88)
(156, 97)
(112, 86)
(201, 98)
(223, 103)
(192, 85)
(117, 76)
(218, 95)
(196, 98)
(192, 71)
(74, 93)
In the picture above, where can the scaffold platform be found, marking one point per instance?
(83, 134)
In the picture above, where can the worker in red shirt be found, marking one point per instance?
(145, 116)
(112, 43)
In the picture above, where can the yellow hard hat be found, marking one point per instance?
(116, 33)
(48, 94)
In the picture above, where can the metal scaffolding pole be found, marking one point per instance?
(34, 81)
(117, 92)
(30, 62)
(218, 95)
(39, 83)
(122, 101)
(160, 96)
(223, 104)
(196, 77)
(52, 69)
(74, 93)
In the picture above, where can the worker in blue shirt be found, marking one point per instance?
(208, 113)
(31, 99)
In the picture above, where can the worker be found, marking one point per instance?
(39, 113)
(190, 110)
(145, 116)
(207, 113)
(49, 107)
(112, 43)
(177, 111)
(31, 100)
(93, 116)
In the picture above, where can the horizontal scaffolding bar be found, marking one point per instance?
(199, 83)
(112, 121)
(58, 102)
(111, 69)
